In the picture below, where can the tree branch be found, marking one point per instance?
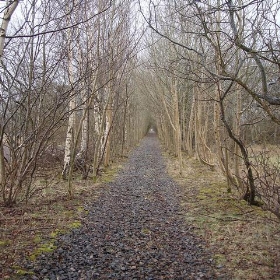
(62, 28)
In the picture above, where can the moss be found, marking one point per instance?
(56, 232)
(68, 213)
(48, 247)
(80, 209)
(145, 231)
(107, 178)
(201, 197)
(75, 224)
(220, 259)
(37, 239)
(109, 173)
(43, 248)
(22, 272)
(5, 243)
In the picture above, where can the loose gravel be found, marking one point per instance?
(135, 230)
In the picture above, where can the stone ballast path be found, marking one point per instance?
(135, 230)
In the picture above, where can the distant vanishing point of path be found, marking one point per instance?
(135, 230)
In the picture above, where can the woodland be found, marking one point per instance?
(82, 82)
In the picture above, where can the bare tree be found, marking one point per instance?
(8, 12)
(227, 52)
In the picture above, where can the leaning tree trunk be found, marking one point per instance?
(250, 193)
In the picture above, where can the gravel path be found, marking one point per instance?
(135, 230)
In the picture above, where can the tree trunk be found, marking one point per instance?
(109, 120)
(191, 127)
(2, 165)
(250, 192)
(124, 120)
(8, 12)
(237, 133)
(178, 140)
(71, 121)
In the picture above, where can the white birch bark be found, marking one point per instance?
(69, 138)
(107, 131)
(87, 96)
(84, 140)
(85, 121)
(8, 12)
(71, 120)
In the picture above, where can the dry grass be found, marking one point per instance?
(28, 230)
(245, 239)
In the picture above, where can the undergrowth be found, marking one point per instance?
(28, 230)
(244, 239)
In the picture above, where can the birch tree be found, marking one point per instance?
(9, 9)
(34, 97)
(70, 134)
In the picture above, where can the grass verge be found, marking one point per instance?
(245, 240)
(28, 230)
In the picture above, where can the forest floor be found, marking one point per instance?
(245, 239)
(28, 230)
(142, 225)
